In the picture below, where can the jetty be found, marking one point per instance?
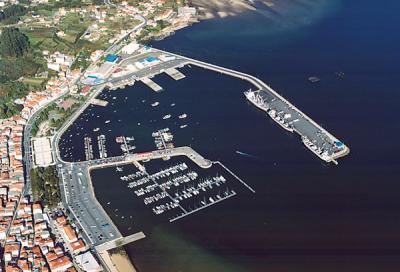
(151, 84)
(318, 140)
(151, 155)
(175, 74)
(121, 241)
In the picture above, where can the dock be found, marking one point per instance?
(173, 152)
(175, 74)
(99, 102)
(315, 138)
(151, 84)
(121, 241)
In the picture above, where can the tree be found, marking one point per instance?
(11, 14)
(13, 43)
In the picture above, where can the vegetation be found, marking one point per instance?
(45, 185)
(62, 115)
(7, 106)
(11, 14)
(13, 43)
(16, 61)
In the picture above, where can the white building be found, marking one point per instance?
(88, 262)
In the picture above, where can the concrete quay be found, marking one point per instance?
(120, 241)
(151, 84)
(151, 155)
(174, 73)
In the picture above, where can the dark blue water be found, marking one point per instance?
(305, 216)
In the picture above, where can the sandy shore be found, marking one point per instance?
(117, 261)
(209, 9)
(122, 262)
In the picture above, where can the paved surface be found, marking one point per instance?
(121, 241)
(78, 195)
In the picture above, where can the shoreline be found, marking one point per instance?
(214, 9)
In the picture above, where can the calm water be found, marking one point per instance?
(305, 216)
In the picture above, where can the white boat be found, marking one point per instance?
(108, 121)
(183, 126)
(165, 117)
(256, 99)
(183, 116)
(96, 129)
(155, 104)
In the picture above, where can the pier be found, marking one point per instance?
(121, 241)
(151, 155)
(151, 84)
(234, 175)
(175, 74)
(318, 140)
(186, 213)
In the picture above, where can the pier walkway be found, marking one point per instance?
(121, 241)
(151, 84)
(152, 155)
(175, 74)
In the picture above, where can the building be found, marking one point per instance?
(88, 263)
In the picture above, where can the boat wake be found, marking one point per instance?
(246, 154)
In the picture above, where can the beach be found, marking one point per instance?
(210, 9)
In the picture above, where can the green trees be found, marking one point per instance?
(45, 185)
(13, 43)
(7, 106)
(11, 14)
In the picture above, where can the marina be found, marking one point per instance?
(174, 192)
(178, 191)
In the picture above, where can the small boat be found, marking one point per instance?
(173, 105)
(183, 116)
(313, 79)
(183, 126)
(340, 74)
(165, 117)
(155, 104)
(96, 129)
(107, 121)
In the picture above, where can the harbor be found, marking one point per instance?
(137, 127)
(151, 62)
